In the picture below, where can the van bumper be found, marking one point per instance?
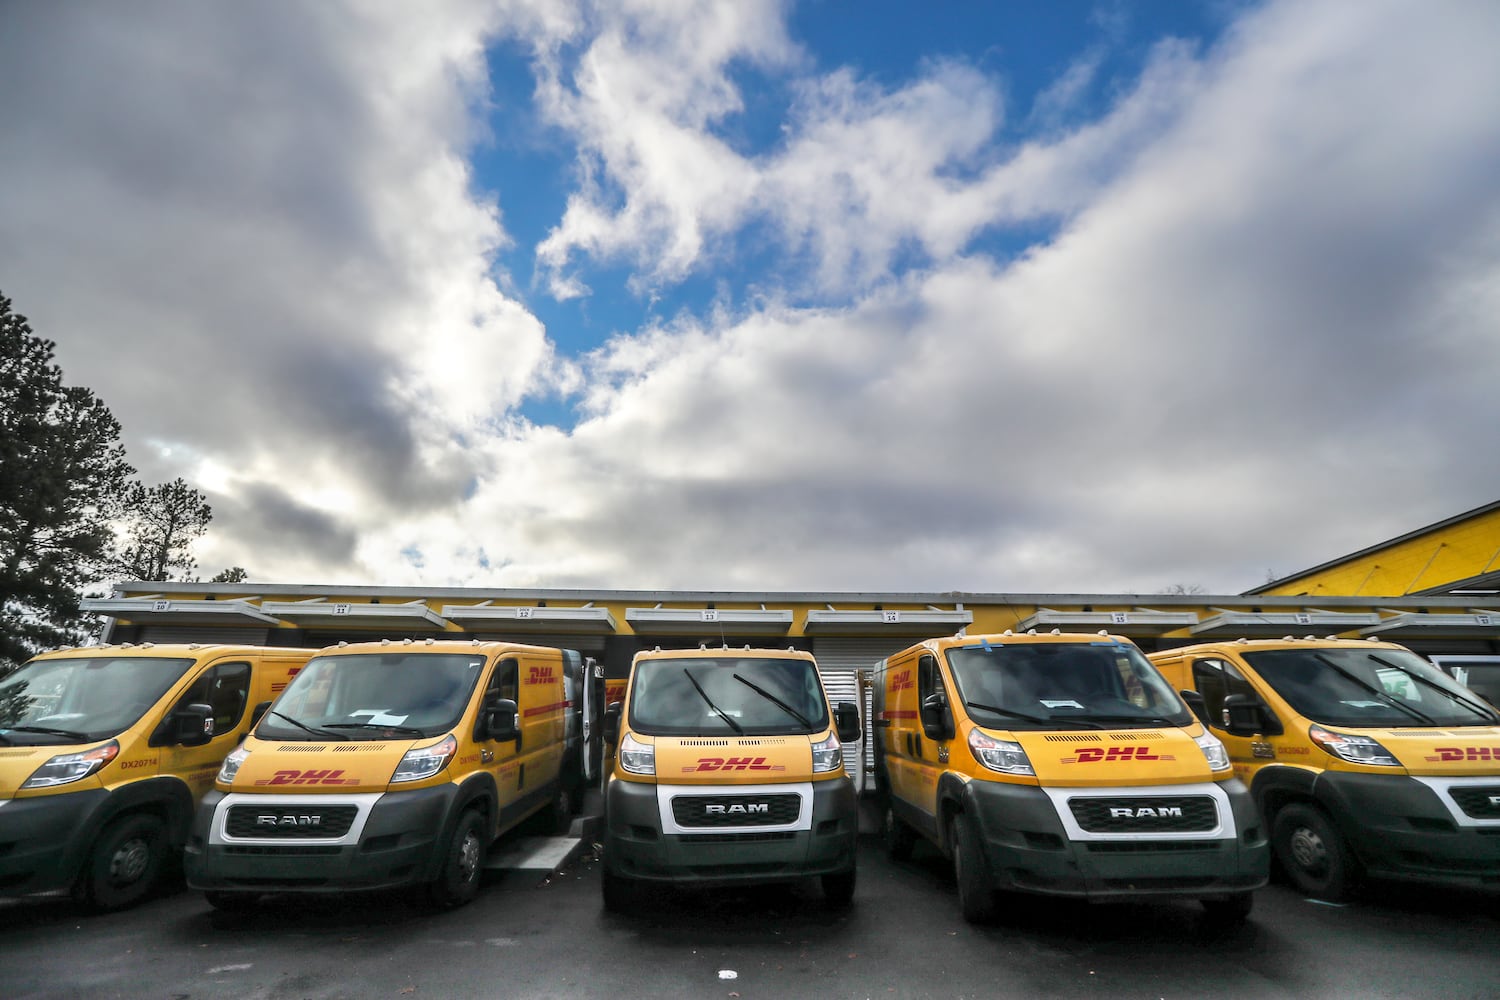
(1403, 827)
(43, 839)
(397, 846)
(635, 846)
(1029, 850)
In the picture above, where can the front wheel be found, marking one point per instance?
(125, 862)
(976, 889)
(1313, 853)
(457, 881)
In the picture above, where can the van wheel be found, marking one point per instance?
(899, 838)
(1232, 909)
(124, 863)
(838, 888)
(231, 902)
(458, 879)
(620, 893)
(976, 889)
(1313, 853)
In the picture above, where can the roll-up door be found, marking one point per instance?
(591, 645)
(249, 635)
(842, 662)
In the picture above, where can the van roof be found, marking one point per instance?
(169, 649)
(432, 645)
(1286, 642)
(700, 652)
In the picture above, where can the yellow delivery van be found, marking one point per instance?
(393, 763)
(728, 767)
(1060, 764)
(106, 750)
(1363, 757)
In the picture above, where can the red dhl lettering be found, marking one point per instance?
(734, 764)
(902, 681)
(324, 777)
(614, 691)
(890, 714)
(543, 709)
(1092, 755)
(540, 675)
(137, 763)
(1466, 753)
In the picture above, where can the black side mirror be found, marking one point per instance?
(502, 721)
(937, 717)
(612, 723)
(193, 725)
(846, 721)
(1197, 704)
(1242, 714)
(259, 712)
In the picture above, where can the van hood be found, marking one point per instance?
(1115, 757)
(318, 768)
(745, 760)
(1439, 752)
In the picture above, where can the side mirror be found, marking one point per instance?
(937, 717)
(502, 721)
(846, 721)
(193, 725)
(1197, 704)
(1242, 714)
(259, 712)
(612, 723)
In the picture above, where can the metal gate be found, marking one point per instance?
(250, 635)
(843, 664)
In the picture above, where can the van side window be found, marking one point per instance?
(1215, 678)
(928, 678)
(505, 681)
(226, 690)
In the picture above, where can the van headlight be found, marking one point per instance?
(425, 762)
(69, 767)
(231, 766)
(635, 756)
(828, 755)
(1354, 749)
(1213, 751)
(999, 755)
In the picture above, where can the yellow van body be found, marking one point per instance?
(1362, 757)
(1059, 764)
(388, 764)
(106, 750)
(728, 767)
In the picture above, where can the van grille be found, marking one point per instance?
(736, 810)
(1133, 814)
(1480, 803)
(290, 821)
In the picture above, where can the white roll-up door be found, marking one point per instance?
(842, 663)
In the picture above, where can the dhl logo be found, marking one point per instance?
(540, 675)
(324, 777)
(1092, 755)
(733, 764)
(614, 691)
(902, 681)
(1466, 753)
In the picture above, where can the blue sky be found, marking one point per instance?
(1010, 297)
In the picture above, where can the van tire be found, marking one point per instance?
(1228, 910)
(125, 862)
(976, 889)
(231, 902)
(1313, 853)
(838, 888)
(620, 893)
(899, 838)
(457, 881)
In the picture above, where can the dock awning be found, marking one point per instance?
(1136, 621)
(413, 616)
(527, 618)
(1259, 624)
(1474, 624)
(921, 624)
(172, 611)
(709, 621)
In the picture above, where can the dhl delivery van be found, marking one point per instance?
(1060, 764)
(106, 750)
(392, 763)
(1363, 757)
(728, 767)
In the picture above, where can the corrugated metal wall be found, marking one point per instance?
(250, 635)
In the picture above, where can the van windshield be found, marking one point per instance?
(1369, 687)
(373, 696)
(735, 695)
(76, 700)
(1063, 685)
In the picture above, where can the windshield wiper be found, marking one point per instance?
(789, 710)
(409, 730)
(1039, 720)
(709, 701)
(1472, 706)
(1378, 692)
(48, 730)
(322, 733)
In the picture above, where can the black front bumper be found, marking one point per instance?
(400, 844)
(43, 840)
